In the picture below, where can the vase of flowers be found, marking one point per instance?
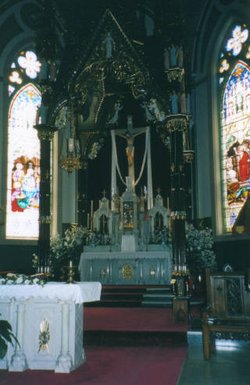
(199, 253)
(66, 250)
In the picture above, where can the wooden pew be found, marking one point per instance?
(228, 311)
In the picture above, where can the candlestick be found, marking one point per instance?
(91, 208)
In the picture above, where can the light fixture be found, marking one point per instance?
(72, 161)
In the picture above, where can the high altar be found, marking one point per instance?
(128, 242)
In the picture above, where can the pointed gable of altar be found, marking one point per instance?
(159, 215)
(102, 217)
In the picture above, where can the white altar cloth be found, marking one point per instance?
(48, 323)
(79, 292)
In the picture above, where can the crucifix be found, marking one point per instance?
(129, 135)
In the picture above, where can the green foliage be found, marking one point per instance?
(6, 336)
(199, 248)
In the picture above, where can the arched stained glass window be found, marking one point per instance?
(234, 78)
(23, 170)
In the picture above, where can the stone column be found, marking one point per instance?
(18, 360)
(64, 360)
(175, 125)
(82, 209)
(45, 134)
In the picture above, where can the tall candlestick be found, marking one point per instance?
(91, 208)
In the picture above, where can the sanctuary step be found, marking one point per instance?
(158, 297)
(135, 338)
(134, 296)
(133, 327)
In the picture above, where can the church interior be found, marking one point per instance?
(125, 186)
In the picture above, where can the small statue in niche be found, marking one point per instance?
(118, 107)
(180, 57)
(103, 224)
(166, 59)
(174, 102)
(149, 116)
(154, 109)
(183, 103)
(158, 221)
(109, 45)
(173, 55)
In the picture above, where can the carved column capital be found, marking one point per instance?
(175, 74)
(177, 122)
(45, 131)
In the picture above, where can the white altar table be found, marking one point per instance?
(48, 323)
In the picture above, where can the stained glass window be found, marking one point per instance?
(234, 80)
(23, 170)
(25, 66)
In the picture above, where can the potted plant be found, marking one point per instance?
(6, 336)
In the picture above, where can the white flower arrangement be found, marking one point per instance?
(22, 279)
(199, 247)
(64, 249)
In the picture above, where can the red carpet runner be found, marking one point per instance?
(118, 365)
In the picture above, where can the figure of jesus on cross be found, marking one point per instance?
(129, 135)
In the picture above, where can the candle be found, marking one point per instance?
(70, 263)
(91, 208)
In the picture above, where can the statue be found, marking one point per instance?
(174, 102)
(166, 59)
(183, 103)
(173, 55)
(148, 114)
(118, 108)
(180, 57)
(109, 43)
(154, 109)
